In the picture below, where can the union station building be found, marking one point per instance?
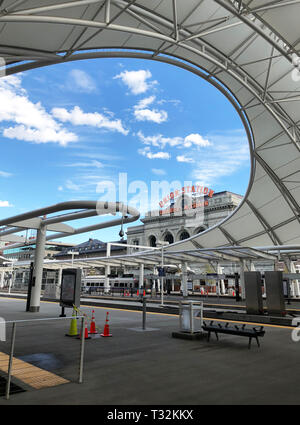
(184, 216)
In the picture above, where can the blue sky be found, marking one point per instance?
(66, 128)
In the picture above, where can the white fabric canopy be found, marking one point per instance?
(244, 48)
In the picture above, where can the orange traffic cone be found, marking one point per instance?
(144, 293)
(106, 327)
(137, 293)
(86, 332)
(93, 324)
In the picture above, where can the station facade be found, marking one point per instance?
(197, 214)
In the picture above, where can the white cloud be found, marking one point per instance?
(163, 101)
(143, 103)
(136, 81)
(180, 142)
(21, 132)
(142, 113)
(72, 186)
(5, 174)
(81, 81)
(102, 156)
(158, 172)
(192, 140)
(32, 122)
(159, 140)
(151, 115)
(77, 117)
(228, 154)
(183, 158)
(158, 155)
(12, 81)
(225, 153)
(91, 164)
(197, 140)
(85, 183)
(4, 204)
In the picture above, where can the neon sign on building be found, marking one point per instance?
(194, 203)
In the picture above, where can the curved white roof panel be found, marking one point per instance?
(245, 48)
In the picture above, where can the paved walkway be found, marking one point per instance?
(152, 367)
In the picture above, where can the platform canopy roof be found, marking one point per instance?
(247, 49)
(153, 258)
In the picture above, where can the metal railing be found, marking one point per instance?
(34, 321)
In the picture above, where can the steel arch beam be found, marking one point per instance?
(189, 42)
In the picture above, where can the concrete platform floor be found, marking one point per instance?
(142, 368)
(223, 301)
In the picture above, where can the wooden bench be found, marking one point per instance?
(234, 330)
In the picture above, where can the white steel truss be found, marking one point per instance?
(248, 49)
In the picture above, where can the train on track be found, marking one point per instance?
(92, 283)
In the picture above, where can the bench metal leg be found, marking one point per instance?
(257, 341)
(217, 336)
(208, 336)
(249, 345)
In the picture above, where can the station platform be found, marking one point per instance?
(149, 368)
(216, 308)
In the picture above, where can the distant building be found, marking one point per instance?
(20, 275)
(197, 214)
(26, 253)
(91, 248)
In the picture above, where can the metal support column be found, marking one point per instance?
(29, 289)
(237, 286)
(106, 280)
(107, 271)
(2, 279)
(38, 270)
(220, 271)
(59, 276)
(11, 281)
(295, 283)
(141, 276)
(144, 313)
(242, 279)
(184, 280)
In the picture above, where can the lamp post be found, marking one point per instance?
(73, 253)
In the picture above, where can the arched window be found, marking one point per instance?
(169, 238)
(199, 230)
(152, 241)
(184, 235)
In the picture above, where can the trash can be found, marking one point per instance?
(190, 316)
